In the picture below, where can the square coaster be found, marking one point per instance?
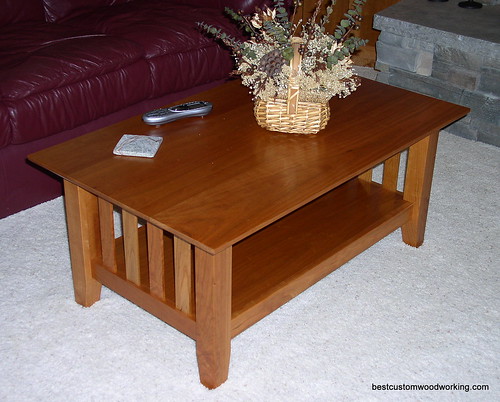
(138, 145)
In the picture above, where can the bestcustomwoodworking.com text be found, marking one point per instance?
(430, 387)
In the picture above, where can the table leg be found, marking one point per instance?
(82, 217)
(417, 189)
(213, 315)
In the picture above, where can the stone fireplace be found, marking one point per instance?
(447, 52)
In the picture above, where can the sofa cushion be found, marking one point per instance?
(69, 106)
(13, 11)
(194, 67)
(48, 56)
(54, 77)
(58, 10)
(159, 27)
(179, 54)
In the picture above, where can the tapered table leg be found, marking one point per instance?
(419, 171)
(213, 315)
(82, 217)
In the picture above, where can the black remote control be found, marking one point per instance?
(166, 115)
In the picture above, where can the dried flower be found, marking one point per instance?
(260, 16)
(325, 69)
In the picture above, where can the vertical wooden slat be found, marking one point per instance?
(131, 246)
(183, 266)
(156, 259)
(419, 171)
(391, 173)
(84, 242)
(107, 227)
(213, 315)
(367, 176)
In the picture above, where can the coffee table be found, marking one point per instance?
(237, 220)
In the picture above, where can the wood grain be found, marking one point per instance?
(366, 176)
(107, 227)
(131, 245)
(184, 281)
(201, 184)
(419, 171)
(279, 262)
(82, 218)
(213, 315)
(164, 310)
(391, 172)
(156, 261)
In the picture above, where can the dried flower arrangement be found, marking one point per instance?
(263, 61)
(294, 68)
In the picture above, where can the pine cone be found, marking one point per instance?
(272, 62)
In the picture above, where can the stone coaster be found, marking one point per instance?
(138, 145)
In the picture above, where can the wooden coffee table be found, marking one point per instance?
(238, 220)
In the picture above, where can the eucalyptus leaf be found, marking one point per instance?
(288, 53)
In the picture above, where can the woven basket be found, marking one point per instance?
(309, 117)
(291, 115)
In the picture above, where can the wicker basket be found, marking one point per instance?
(309, 117)
(291, 115)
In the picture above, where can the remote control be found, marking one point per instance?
(166, 115)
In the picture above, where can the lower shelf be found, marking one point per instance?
(279, 262)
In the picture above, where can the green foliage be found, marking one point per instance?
(234, 15)
(288, 53)
(243, 22)
(326, 18)
(248, 52)
(273, 29)
(277, 32)
(229, 40)
(342, 32)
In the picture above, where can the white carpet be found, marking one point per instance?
(393, 315)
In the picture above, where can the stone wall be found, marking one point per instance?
(462, 68)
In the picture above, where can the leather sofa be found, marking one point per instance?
(68, 67)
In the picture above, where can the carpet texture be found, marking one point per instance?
(395, 315)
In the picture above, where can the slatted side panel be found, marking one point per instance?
(145, 255)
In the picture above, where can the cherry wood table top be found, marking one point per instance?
(218, 179)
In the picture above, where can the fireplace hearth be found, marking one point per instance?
(447, 52)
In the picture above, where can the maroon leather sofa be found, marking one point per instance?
(68, 67)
